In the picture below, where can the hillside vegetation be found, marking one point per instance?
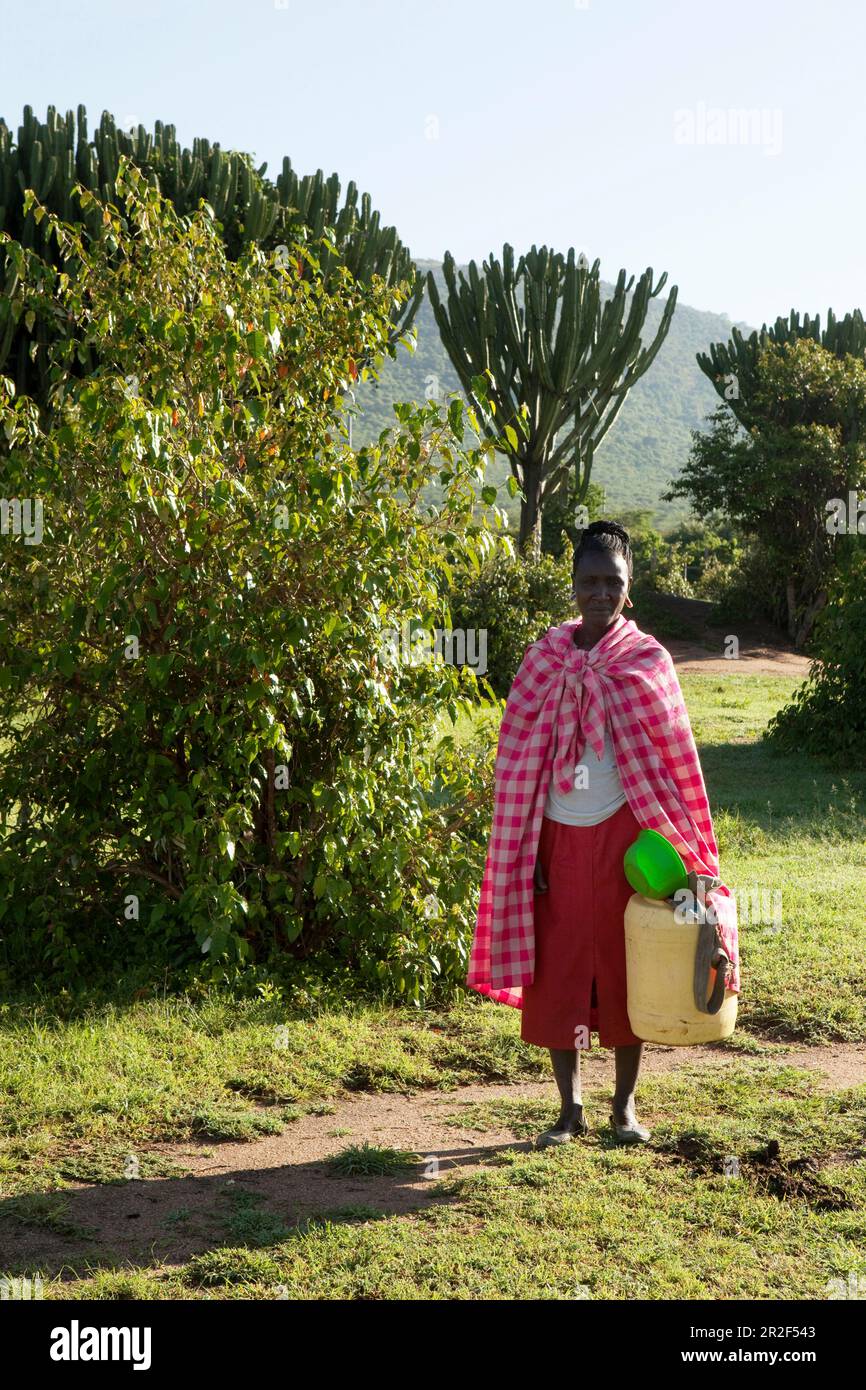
(645, 447)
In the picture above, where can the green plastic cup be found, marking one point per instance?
(653, 867)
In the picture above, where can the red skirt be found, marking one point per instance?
(580, 976)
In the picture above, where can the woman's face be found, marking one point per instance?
(600, 588)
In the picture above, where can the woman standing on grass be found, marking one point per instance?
(550, 936)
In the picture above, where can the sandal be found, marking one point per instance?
(630, 1134)
(562, 1136)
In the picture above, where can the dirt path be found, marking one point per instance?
(161, 1222)
(754, 659)
(761, 650)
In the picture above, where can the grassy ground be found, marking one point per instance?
(792, 845)
(793, 827)
(79, 1092)
(587, 1221)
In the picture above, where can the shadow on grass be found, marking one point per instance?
(72, 1233)
(782, 793)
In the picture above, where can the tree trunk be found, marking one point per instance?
(808, 621)
(529, 539)
(791, 596)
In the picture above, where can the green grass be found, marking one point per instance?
(83, 1089)
(797, 827)
(115, 1079)
(369, 1160)
(591, 1220)
(248, 1223)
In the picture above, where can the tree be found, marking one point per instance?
(52, 156)
(545, 362)
(560, 510)
(311, 207)
(217, 760)
(803, 446)
(734, 367)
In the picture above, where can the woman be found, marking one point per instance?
(550, 935)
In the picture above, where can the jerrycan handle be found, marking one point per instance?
(705, 948)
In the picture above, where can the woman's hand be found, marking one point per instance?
(539, 881)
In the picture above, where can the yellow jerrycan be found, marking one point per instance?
(668, 971)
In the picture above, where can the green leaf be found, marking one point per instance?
(256, 343)
(479, 388)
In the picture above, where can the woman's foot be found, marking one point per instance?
(570, 1124)
(625, 1122)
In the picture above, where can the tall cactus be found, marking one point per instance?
(363, 245)
(732, 367)
(559, 361)
(51, 156)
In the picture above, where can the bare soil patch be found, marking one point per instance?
(762, 649)
(163, 1221)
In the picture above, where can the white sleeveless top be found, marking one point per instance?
(598, 794)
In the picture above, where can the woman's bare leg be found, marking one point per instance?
(627, 1067)
(566, 1071)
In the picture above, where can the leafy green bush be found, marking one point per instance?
(659, 561)
(515, 599)
(828, 712)
(214, 760)
(746, 589)
(694, 560)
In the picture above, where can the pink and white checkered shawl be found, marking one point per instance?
(560, 700)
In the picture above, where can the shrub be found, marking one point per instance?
(827, 714)
(746, 589)
(659, 561)
(214, 762)
(515, 599)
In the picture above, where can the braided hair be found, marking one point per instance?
(603, 535)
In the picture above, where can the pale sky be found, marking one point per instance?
(611, 126)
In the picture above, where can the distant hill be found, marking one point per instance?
(644, 448)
